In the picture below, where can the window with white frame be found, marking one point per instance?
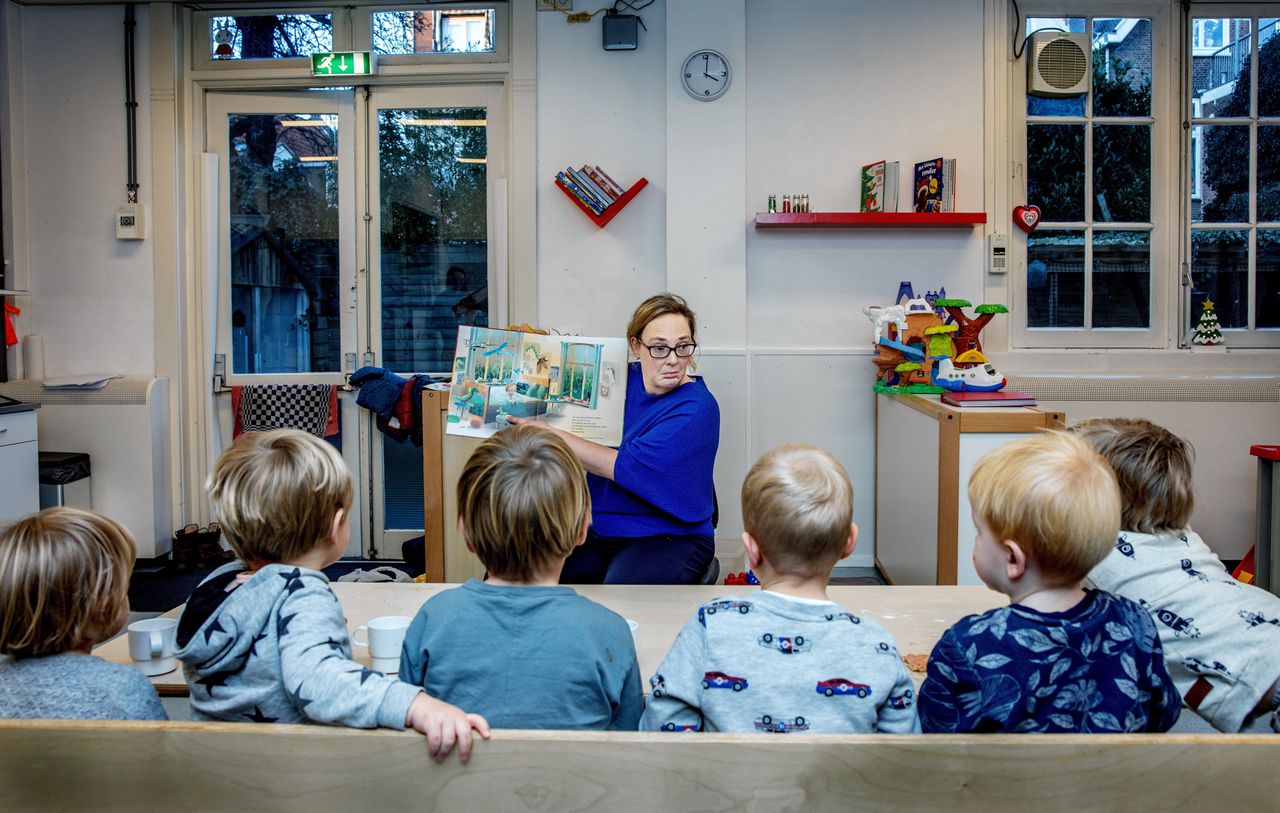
(1091, 163)
(400, 35)
(1234, 213)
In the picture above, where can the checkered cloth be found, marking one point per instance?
(309, 407)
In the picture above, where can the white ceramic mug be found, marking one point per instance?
(385, 635)
(151, 645)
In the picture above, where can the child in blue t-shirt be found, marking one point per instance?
(1058, 658)
(519, 648)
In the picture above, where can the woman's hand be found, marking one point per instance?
(595, 458)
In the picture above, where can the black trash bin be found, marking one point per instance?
(64, 480)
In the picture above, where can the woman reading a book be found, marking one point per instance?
(652, 498)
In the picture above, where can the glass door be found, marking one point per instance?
(287, 282)
(434, 156)
(354, 229)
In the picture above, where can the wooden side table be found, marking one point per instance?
(925, 451)
(1266, 562)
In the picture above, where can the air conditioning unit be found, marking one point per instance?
(1058, 64)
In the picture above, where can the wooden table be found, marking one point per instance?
(917, 616)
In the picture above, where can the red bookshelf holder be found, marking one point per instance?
(613, 209)
(863, 220)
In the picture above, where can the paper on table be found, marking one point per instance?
(92, 381)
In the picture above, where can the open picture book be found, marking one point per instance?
(574, 383)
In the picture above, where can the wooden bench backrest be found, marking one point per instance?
(131, 766)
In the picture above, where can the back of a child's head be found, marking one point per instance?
(1153, 467)
(64, 580)
(523, 502)
(797, 503)
(1054, 496)
(276, 493)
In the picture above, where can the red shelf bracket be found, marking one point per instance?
(613, 209)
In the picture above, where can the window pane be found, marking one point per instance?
(1224, 174)
(1121, 279)
(1220, 271)
(1220, 57)
(1121, 67)
(434, 238)
(1268, 284)
(1268, 68)
(1122, 173)
(1055, 279)
(269, 36)
(1055, 170)
(284, 243)
(1269, 172)
(426, 32)
(1071, 105)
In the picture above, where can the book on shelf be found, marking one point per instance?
(571, 186)
(590, 186)
(616, 187)
(879, 187)
(934, 185)
(599, 181)
(999, 398)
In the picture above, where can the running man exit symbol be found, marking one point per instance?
(342, 63)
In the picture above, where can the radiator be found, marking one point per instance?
(1221, 416)
(124, 428)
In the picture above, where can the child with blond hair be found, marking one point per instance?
(1059, 658)
(263, 639)
(1221, 638)
(64, 589)
(519, 647)
(786, 658)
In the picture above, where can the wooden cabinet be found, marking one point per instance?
(925, 451)
(19, 465)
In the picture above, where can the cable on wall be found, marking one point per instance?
(130, 104)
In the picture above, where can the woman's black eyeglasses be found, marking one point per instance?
(661, 351)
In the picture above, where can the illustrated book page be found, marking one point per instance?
(574, 383)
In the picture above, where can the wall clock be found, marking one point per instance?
(706, 75)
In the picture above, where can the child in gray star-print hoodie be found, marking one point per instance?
(274, 649)
(263, 639)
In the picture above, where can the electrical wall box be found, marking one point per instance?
(621, 32)
(555, 5)
(131, 222)
(999, 254)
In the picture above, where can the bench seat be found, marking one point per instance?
(213, 766)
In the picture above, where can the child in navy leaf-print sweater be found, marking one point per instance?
(786, 658)
(1058, 658)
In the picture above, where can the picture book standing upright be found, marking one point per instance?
(934, 185)
(879, 187)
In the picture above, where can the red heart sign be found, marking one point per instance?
(1026, 217)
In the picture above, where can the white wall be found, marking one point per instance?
(91, 294)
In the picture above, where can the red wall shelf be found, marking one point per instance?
(863, 220)
(613, 209)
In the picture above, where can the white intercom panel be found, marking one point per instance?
(999, 263)
(131, 222)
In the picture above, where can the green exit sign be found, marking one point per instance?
(342, 63)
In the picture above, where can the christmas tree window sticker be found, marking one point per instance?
(1208, 331)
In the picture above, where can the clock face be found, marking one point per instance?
(705, 75)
